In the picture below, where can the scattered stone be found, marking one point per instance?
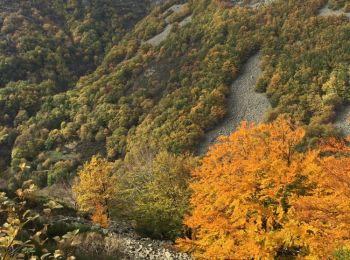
(326, 11)
(342, 120)
(156, 40)
(244, 103)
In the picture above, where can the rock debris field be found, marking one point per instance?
(120, 241)
(326, 11)
(156, 40)
(342, 120)
(133, 247)
(244, 103)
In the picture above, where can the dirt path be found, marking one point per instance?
(244, 103)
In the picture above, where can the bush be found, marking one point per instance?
(157, 192)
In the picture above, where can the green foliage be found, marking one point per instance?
(45, 48)
(61, 228)
(77, 79)
(154, 186)
(342, 254)
(309, 85)
(19, 240)
(60, 172)
(336, 4)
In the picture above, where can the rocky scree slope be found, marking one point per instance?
(244, 103)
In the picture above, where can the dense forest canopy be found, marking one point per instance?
(164, 96)
(84, 85)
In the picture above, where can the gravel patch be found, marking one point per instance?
(185, 21)
(253, 3)
(326, 11)
(119, 241)
(244, 103)
(132, 246)
(145, 248)
(176, 8)
(156, 40)
(342, 120)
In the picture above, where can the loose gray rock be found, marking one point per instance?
(244, 103)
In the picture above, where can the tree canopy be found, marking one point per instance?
(258, 195)
(96, 188)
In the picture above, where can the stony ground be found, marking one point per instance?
(119, 241)
(342, 120)
(156, 40)
(145, 248)
(326, 11)
(133, 247)
(252, 3)
(243, 103)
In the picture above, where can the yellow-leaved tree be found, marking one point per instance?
(96, 188)
(256, 195)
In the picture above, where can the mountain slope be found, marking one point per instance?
(169, 95)
(149, 85)
(46, 47)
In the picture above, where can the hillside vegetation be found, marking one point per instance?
(129, 90)
(165, 96)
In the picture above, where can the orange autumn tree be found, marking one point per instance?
(257, 196)
(100, 217)
(96, 188)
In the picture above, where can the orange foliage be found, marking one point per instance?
(100, 217)
(256, 196)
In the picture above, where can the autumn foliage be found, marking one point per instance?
(257, 195)
(99, 216)
(96, 188)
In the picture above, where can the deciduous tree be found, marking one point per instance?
(256, 195)
(97, 185)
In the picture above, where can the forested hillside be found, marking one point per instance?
(132, 87)
(45, 48)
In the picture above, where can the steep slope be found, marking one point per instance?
(168, 95)
(342, 120)
(175, 10)
(244, 103)
(46, 47)
(326, 11)
(102, 77)
(66, 39)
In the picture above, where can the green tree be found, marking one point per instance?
(157, 188)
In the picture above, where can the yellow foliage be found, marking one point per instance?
(257, 197)
(97, 185)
